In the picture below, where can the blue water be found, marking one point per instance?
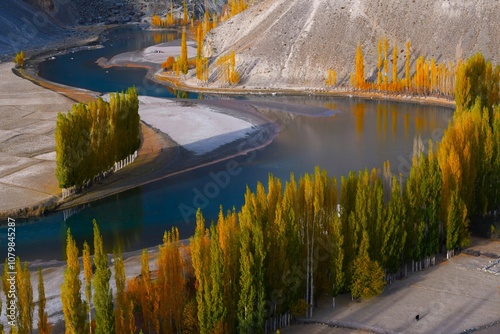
(359, 134)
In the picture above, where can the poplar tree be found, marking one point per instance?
(170, 283)
(25, 304)
(336, 242)
(87, 274)
(393, 231)
(185, 16)
(217, 308)
(200, 257)
(251, 303)
(74, 307)
(103, 297)
(184, 54)
(148, 296)
(44, 326)
(229, 234)
(359, 77)
(368, 276)
(124, 317)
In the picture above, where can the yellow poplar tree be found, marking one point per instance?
(185, 16)
(74, 308)
(184, 54)
(25, 305)
(170, 282)
(359, 77)
(87, 274)
(44, 326)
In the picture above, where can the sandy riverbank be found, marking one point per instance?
(216, 132)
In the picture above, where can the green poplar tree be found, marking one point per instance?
(393, 232)
(368, 276)
(218, 310)
(103, 297)
(200, 257)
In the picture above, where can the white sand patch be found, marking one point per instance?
(155, 54)
(197, 128)
(159, 53)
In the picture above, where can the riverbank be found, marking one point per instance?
(159, 156)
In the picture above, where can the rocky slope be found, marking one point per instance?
(40, 24)
(293, 42)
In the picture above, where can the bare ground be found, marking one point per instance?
(451, 297)
(27, 167)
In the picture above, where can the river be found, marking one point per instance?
(358, 134)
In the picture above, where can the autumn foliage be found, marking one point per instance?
(429, 77)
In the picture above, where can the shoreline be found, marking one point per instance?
(181, 84)
(150, 166)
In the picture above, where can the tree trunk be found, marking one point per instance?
(333, 302)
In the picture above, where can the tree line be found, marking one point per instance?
(429, 76)
(93, 136)
(295, 240)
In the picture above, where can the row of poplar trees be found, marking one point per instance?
(93, 136)
(429, 77)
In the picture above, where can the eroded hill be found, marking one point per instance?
(294, 42)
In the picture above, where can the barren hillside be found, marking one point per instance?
(35, 25)
(294, 42)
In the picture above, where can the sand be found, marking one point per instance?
(152, 56)
(27, 156)
(197, 128)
